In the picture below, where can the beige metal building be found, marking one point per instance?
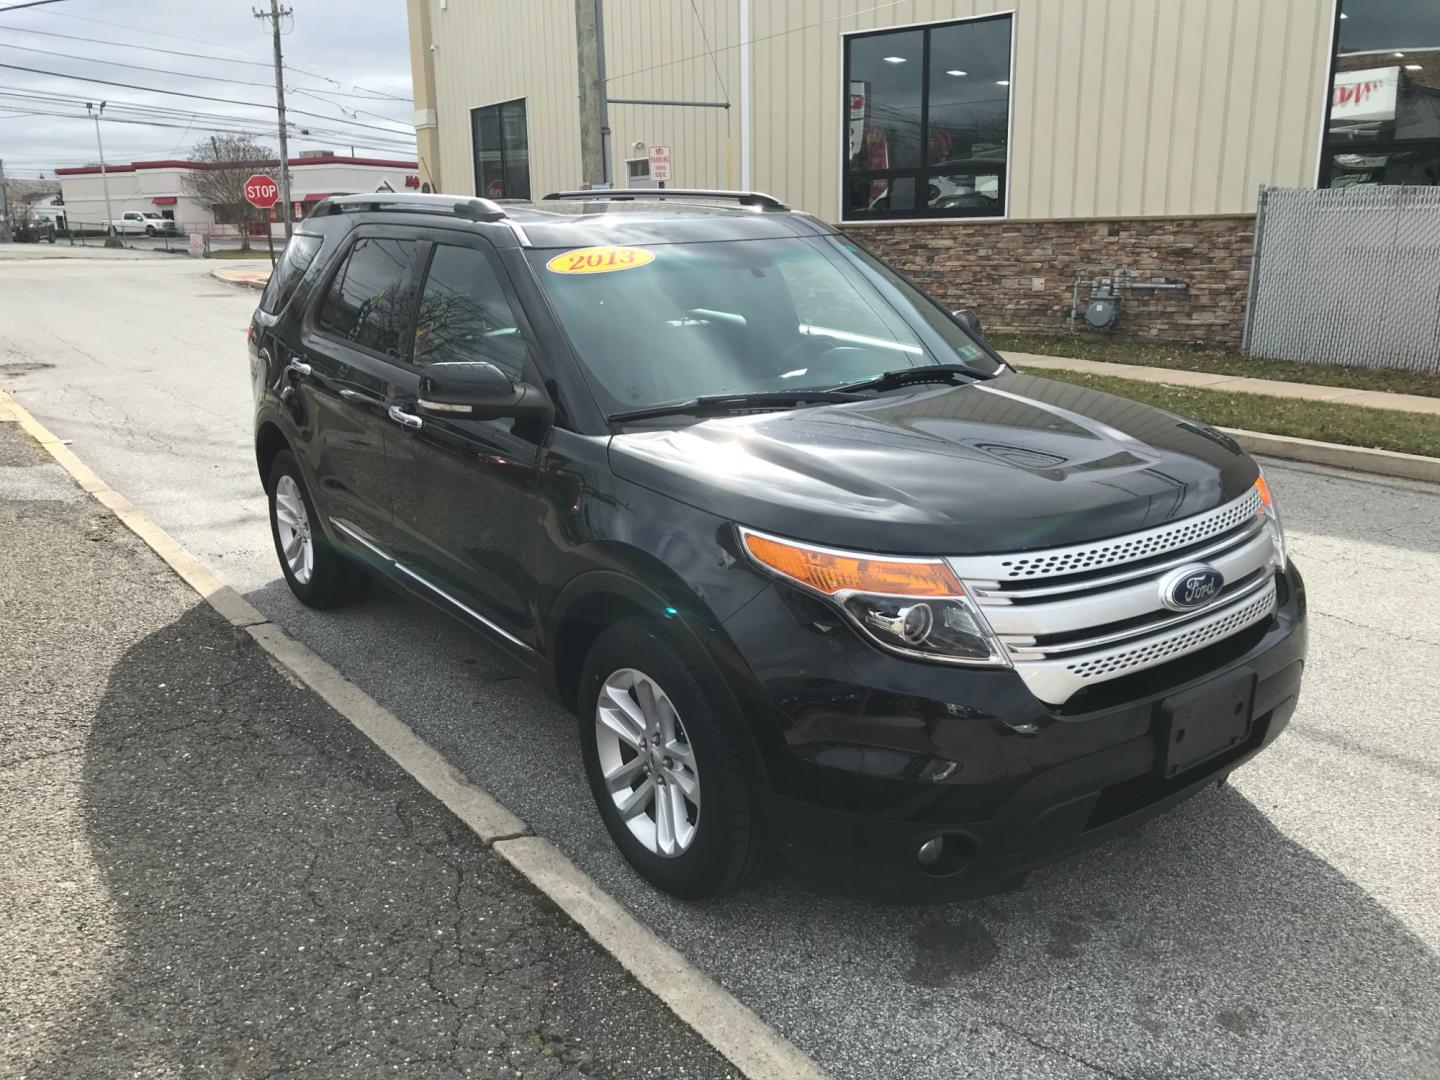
(1009, 153)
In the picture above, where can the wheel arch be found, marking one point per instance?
(270, 440)
(597, 599)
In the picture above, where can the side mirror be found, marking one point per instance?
(969, 320)
(478, 390)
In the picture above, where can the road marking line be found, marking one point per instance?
(712, 1012)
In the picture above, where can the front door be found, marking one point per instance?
(351, 346)
(466, 512)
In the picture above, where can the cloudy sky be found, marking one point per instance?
(348, 69)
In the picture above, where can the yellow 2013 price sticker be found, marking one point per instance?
(599, 260)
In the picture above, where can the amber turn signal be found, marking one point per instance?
(1263, 489)
(832, 572)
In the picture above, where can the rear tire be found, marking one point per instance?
(319, 575)
(715, 841)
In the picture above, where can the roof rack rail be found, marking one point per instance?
(744, 198)
(471, 209)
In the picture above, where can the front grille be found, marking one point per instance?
(1114, 662)
(1075, 616)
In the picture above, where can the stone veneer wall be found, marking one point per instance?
(1017, 275)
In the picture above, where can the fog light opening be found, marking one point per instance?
(947, 854)
(930, 851)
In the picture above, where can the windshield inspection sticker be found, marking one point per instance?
(599, 260)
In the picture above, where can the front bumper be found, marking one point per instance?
(881, 754)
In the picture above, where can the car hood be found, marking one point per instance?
(1008, 464)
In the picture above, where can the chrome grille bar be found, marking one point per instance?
(1078, 558)
(1056, 681)
(995, 592)
(1069, 617)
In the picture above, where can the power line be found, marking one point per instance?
(195, 97)
(191, 75)
(194, 41)
(223, 129)
(224, 122)
(146, 30)
(28, 3)
(191, 54)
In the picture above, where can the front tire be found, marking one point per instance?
(149, 230)
(318, 574)
(663, 756)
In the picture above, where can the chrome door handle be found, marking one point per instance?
(299, 367)
(405, 419)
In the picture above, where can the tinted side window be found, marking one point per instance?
(299, 255)
(464, 314)
(368, 301)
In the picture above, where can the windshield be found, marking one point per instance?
(157, 217)
(669, 322)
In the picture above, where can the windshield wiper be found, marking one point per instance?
(723, 403)
(926, 373)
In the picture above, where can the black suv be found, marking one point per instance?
(816, 569)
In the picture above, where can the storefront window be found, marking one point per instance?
(1384, 118)
(928, 117)
(502, 151)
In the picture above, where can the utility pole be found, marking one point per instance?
(95, 114)
(5, 231)
(275, 14)
(594, 102)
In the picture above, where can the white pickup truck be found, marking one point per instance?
(142, 223)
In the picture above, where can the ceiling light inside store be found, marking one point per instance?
(1399, 55)
(894, 59)
(956, 71)
(1414, 67)
(1002, 82)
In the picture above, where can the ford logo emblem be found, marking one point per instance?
(1191, 587)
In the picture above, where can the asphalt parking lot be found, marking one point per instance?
(1286, 926)
(207, 871)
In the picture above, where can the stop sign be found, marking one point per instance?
(261, 191)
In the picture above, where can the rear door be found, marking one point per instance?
(467, 512)
(352, 342)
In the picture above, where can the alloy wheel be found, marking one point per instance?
(293, 527)
(647, 761)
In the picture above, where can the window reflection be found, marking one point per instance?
(502, 151)
(1384, 125)
(927, 120)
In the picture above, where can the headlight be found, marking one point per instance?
(916, 607)
(1272, 517)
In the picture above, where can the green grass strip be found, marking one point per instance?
(1216, 361)
(1353, 425)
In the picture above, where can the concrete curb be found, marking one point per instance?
(693, 996)
(220, 275)
(746, 1041)
(1359, 458)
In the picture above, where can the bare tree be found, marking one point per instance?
(227, 161)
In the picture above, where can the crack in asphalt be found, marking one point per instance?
(1385, 632)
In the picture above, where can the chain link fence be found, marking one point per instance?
(1347, 276)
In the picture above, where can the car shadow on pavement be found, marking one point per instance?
(281, 899)
(1206, 943)
(1207, 938)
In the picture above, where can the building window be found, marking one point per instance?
(1383, 125)
(927, 121)
(502, 151)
